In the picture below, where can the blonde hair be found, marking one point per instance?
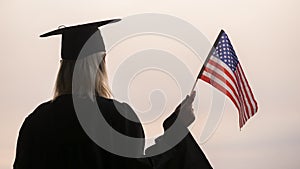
(88, 79)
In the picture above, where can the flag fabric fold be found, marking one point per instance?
(223, 71)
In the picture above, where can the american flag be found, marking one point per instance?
(223, 71)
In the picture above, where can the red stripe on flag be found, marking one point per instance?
(245, 93)
(219, 87)
(223, 69)
(243, 106)
(250, 91)
(222, 79)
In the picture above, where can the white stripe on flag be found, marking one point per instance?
(221, 83)
(221, 72)
(252, 100)
(245, 104)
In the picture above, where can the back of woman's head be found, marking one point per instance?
(84, 77)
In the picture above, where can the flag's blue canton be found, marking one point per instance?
(225, 52)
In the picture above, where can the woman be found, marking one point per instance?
(54, 137)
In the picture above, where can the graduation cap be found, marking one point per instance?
(82, 39)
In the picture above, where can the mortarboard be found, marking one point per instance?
(75, 37)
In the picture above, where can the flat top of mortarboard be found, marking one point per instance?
(93, 25)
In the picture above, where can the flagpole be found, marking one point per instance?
(207, 59)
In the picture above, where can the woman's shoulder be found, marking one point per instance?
(31, 120)
(48, 110)
(121, 107)
(119, 114)
(38, 110)
(65, 103)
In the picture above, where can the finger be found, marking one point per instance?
(191, 98)
(193, 93)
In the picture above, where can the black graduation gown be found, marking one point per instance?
(52, 137)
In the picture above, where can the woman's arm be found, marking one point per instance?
(186, 154)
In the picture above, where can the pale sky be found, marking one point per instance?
(265, 35)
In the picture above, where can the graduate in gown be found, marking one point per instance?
(52, 136)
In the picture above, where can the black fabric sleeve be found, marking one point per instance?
(185, 155)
